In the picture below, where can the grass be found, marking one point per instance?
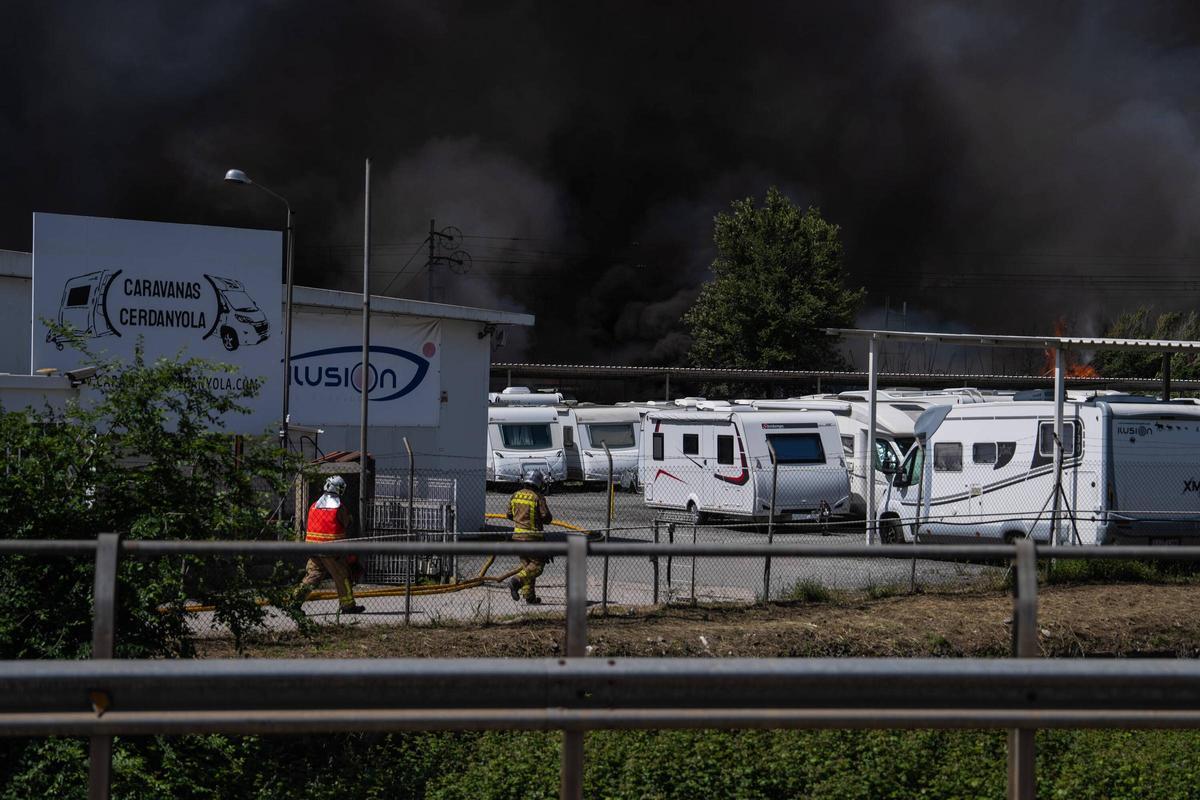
(807, 590)
(1067, 571)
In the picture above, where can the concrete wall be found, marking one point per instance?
(456, 448)
(35, 391)
(16, 300)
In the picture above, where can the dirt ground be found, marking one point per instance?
(1115, 620)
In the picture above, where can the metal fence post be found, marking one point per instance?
(571, 779)
(104, 629)
(1022, 780)
(693, 566)
(770, 522)
(408, 573)
(670, 559)
(607, 531)
(654, 564)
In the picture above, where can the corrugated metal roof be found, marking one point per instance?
(560, 372)
(1034, 342)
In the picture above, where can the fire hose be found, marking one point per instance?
(480, 579)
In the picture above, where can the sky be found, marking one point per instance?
(993, 166)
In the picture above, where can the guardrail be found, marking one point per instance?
(103, 697)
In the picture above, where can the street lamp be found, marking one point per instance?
(237, 176)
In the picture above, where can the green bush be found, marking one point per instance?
(142, 455)
(660, 765)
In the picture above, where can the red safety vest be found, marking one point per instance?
(323, 524)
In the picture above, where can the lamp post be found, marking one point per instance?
(237, 176)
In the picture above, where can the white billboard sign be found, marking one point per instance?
(404, 372)
(204, 291)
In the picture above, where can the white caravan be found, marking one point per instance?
(986, 472)
(893, 437)
(717, 462)
(524, 438)
(586, 429)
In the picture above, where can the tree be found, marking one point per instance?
(778, 282)
(1141, 324)
(143, 455)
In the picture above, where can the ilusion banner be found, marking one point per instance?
(404, 380)
(198, 290)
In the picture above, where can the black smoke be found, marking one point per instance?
(994, 166)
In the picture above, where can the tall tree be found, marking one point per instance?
(778, 281)
(1142, 324)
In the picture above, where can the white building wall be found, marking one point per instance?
(18, 392)
(16, 302)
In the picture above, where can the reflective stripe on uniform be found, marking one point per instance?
(323, 525)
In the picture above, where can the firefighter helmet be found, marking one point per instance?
(535, 478)
(335, 485)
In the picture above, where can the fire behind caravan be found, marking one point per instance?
(718, 463)
(986, 473)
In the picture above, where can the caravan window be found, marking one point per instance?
(568, 436)
(797, 448)
(983, 452)
(78, 295)
(947, 457)
(848, 446)
(691, 444)
(526, 437)
(657, 443)
(619, 435)
(1046, 439)
(724, 449)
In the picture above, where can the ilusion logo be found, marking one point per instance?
(392, 373)
(1135, 430)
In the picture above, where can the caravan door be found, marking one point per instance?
(731, 471)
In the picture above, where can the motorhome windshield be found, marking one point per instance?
(618, 435)
(240, 301)
(797, 448)
(910, 470)
(526, 437)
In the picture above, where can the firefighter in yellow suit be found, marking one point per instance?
(528, 510)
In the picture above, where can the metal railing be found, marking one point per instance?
(103, 697)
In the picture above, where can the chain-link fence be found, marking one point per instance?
(981, 493)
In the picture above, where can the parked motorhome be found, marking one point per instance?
(717, 462)
(586, 429)
(986, 472)
(524, 438)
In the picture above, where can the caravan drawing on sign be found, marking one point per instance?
(89, 309)
(84, 307)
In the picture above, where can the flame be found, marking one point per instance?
(1073, 369)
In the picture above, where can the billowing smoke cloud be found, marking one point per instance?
(992, 165)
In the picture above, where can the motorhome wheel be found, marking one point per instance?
(892, 533)
(229, 339)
